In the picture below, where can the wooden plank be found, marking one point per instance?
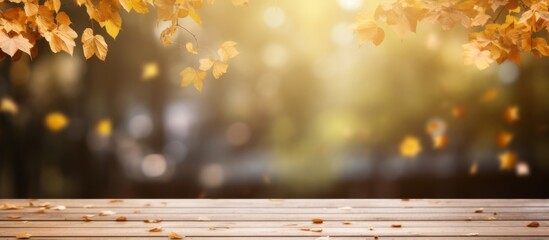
(59, 216)
(292, 238)
(261, 224)
(294, 203)
(397, 210)
(282, 232)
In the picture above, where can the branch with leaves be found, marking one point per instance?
(492, 37)
(25, 22)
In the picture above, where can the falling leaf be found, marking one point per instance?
(218, 67)
(190, 48)
(155, 229)
(7, 206)
(56, 121)
(410, 147)
(396, 225)
(104, 127)
(504, 138)
(94, 45)
(106, 213)
(472, 54)
(152, 221)
(23, 236)
(507, 160)
(473, 169)
(121, 219)
(190, 75)
(440, 141)
(317, 221)
(8, 106)
(174, 235)
(522, 169)
(533, 224)
(150, 71)
(511, 114)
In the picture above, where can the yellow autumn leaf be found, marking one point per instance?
(56, 121)
(94, 45)
(150, 70)
(218, 68)
(190, 75)
(61, 39)
(194, 16)
(7, 105)
(227, 51)
(507, 160)
(104, 127)
(140, 6)
(410, 147)
(366, 30)
(473, 55)
(112, 25)
(190, 48)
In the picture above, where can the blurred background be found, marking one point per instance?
(302, 112)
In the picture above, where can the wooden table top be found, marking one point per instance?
(269, 219)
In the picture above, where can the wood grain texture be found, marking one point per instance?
(270, 219)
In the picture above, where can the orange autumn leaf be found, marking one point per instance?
(504, 138)
(10, 45)
(473, 54)
(511, 114)
(410, 147)
(507, 160)
(94, 45)
(174, 235)
(23, 236)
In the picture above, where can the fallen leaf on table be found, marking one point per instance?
(317, 221)
(7, 206)
(59, 208)
(479, 210)
(87, 218)
(152, 221)
(155, 229)
(346, 222)
(316, 230)
(533, 224)
(116, 201)
(13, 217)
(23, 236)
(396, 225)
(121, 219)
(41, 210)
(106, 213)
(174, 235)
